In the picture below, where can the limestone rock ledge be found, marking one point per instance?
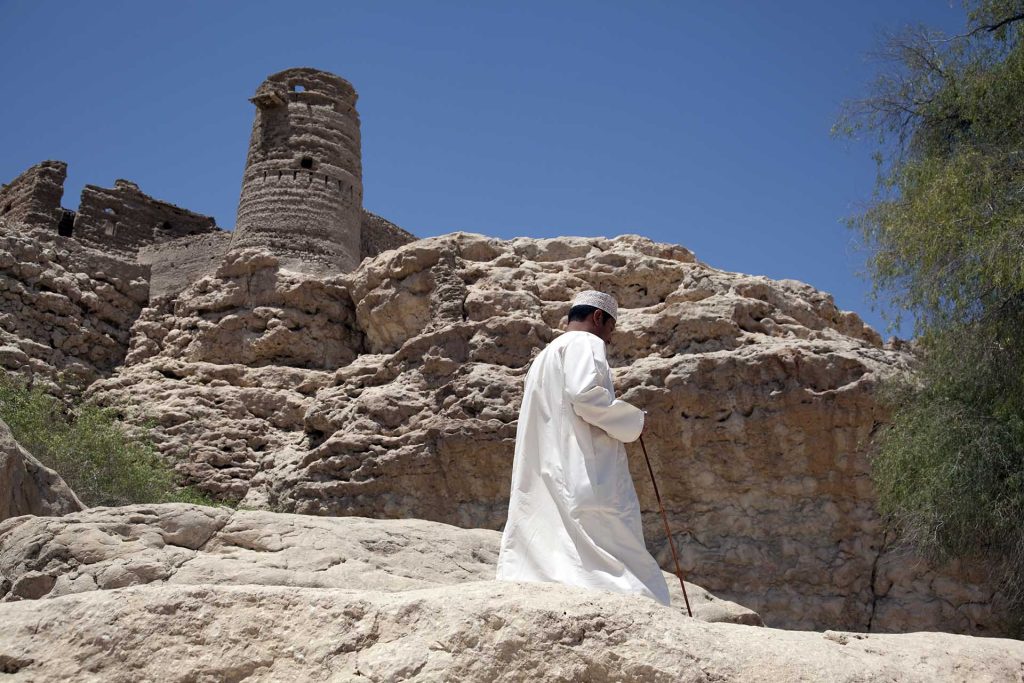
(480, 631)
(181, 593)
(111, 548)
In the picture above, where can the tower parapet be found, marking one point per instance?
(302, 190)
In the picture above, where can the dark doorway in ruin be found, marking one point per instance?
(307, 162)
(166, 225)
(8, 207)
(66, 226)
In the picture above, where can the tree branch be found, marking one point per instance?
(991, 28)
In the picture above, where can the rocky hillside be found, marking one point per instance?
(393, 392)
(184, 593)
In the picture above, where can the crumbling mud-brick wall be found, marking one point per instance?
(380, 234)
(124, 218)
(66, 311)
(176, 264)
(302, 190)
(33, 198)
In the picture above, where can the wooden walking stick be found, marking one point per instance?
(668, 532)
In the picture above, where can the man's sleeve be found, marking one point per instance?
(585, 371)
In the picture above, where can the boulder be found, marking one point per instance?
(476, 631)
(111, 548)
(183, 593)
(27, 487)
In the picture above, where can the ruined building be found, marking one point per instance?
(33, 198)
(125, 219)
(118, 220)
(302, 196)
(302, 190)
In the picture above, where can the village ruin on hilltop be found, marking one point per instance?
(302, 196)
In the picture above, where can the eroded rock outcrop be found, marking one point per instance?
(393, 391)
(232, 367)
(27, 487)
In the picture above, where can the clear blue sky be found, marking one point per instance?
(700, 123)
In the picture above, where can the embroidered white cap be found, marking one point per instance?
(605, 302)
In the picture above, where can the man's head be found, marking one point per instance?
(593, 312)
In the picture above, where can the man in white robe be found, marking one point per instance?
(573, 514)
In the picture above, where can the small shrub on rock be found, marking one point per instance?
(87, 446)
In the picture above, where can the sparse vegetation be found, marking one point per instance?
(88, 447)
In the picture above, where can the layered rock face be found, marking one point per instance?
(65, 310)
(393, 391)
(184, 593)
(231, 367)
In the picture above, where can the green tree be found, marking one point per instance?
(945, 234)
(87, 446)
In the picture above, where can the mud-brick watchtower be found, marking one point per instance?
(302, 191)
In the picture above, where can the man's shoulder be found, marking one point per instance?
(558, 344)
(576, 337)
(572, 343)
(580, 339)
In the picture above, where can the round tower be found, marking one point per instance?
(302, 190)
